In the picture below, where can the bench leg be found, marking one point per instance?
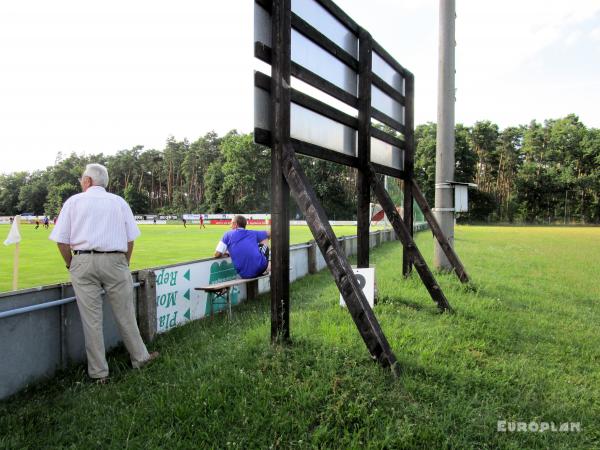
(252, 290)
(229, 302)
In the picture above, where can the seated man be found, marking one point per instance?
(247, 248)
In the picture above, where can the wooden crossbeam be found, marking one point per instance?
(405, 237)
(336, 260)
(439, 234)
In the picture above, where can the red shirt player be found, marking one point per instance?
(202, 221)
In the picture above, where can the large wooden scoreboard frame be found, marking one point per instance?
(320, 46)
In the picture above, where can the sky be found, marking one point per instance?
(91, 77)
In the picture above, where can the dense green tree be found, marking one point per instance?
(10, 186)
(138, 201)
(57, 195)
(334, 186)
(214, 201)
(484, 137)
(246, 174)
(33, 193)
(425, 145)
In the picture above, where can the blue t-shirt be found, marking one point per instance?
(242, 246)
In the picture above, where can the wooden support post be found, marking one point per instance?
(348, 247)
(252, 290)
(364, 147)
(342, 247)
(409, 168)
(338, 264)
(146, 305)
(407, 241)
(63, 328)
(462, 274)
(280, 134)
(312, 258)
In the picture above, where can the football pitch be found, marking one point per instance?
(159, 245)
(522, 349)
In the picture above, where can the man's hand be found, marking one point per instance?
(129, 251)
(65, 252)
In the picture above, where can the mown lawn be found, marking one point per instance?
(40, 263)
(523, 345)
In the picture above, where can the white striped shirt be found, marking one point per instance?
(95, 220)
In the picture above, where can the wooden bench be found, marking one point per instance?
(223, 291)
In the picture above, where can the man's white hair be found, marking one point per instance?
(98, 174)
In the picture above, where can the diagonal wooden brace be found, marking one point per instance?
(439, 234)
(338, 264)
(404, 235)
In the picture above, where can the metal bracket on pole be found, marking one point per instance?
(442, 209)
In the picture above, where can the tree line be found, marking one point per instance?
(536, 173)
(210, 175)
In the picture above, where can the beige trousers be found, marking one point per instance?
(90, 273)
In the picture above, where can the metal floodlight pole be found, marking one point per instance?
(444, 164)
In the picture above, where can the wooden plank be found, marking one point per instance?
(338, 264)
(316, 151)
(409, 169)
(263, 81)
(382, 52)
(364, 149)
(280, 134)
(329, 6)
(435, 291)
(225, 284)
(389, 90)
(262, 136)
(264, 53)
(318, 82)
(340, 15)
(265, 4)
(323, 109)
(146, 305)
(387, 120)
(390, 171)
(324, 42)
(462, 274)
(388, 138)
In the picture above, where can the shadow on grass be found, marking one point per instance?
(406, 302)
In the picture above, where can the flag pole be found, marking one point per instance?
(14, 237)
(16, 267)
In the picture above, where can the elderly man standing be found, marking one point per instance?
(95, 233)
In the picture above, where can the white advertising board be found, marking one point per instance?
(178, 302)
(366, 281)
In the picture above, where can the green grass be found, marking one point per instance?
(41, 264)
(522, 346)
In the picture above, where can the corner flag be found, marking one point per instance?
(14, 235)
